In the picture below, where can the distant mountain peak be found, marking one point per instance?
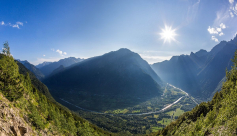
(49, 68)
(201, 52)
(124, 49)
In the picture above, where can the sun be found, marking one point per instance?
(168, 34)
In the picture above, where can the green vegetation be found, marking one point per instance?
(42, 113)
(217, 117)
(176, 113)
(124, 124)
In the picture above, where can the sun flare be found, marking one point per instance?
(168, 34)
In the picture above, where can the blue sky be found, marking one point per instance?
(49, 30)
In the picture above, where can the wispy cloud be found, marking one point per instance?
(233, 8)
(44, 55)
(192, 12)
(16, 25)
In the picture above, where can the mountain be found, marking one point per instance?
(114, 80)
(43, 64)
(25, 110)
(198, 73)
(49, 68)
(33, 69)
(216, 117)
(57, 70)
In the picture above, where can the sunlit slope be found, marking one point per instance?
(30, 112)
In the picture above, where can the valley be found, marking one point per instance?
(118, 68)
(149, 116)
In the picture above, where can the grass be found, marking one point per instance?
(155, 129)
(119, 111)
(156, 116)
(177, 112)
(166, 121)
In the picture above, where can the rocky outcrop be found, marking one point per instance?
(11, 123)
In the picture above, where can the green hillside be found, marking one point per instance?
(216, 117)
(42, 115)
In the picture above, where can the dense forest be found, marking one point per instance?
(39, 111)
(216, 117)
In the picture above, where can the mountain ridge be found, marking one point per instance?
(198, 73)
(114, 74)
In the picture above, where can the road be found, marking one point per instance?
(162, 110)
(184, 92)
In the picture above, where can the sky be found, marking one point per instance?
(49, 30)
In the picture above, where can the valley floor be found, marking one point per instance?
(144, 118)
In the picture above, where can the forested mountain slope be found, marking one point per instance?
(216, 117)
(112, 80)
(27, 111)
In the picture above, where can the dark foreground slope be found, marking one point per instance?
(199, 73)
(114, 80)
(217, 117)
(27, 111)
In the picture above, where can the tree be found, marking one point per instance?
(10, 82)
(6, 49)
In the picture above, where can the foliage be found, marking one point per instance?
(41, 112)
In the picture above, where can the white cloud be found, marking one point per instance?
(214, 39)
(231, 1)
(221, 34)
(235, 35)
(212, 30)
(44, 55)
(60, 52)
(218, 29)
(17, 25)
(222, 26)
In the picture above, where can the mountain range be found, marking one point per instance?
(199, 73)
(47, 68)
(114, 80)
(33, 69)
(43, 64)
